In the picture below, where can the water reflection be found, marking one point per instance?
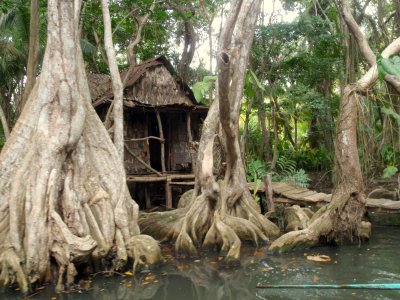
(207, 278)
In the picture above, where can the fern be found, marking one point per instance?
(298, 177)
(286, 170)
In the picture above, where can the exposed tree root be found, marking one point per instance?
(208, 222)
(296, 218)
(332, 223)
(221, 213)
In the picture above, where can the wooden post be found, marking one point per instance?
(168, 193)
(147, 197)
(268, 193)
(160, 129)
(190, 138)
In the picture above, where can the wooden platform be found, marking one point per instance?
(290, 194)
(169, 180)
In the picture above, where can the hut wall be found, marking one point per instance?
(158, 87)
(180, 150)
(135, 126)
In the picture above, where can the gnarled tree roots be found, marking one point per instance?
(211, 219)
(336, 222)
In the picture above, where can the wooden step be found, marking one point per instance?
(301, 196)
(285, 188)
(293, 193)
(315, 198)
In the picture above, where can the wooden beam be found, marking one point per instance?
(190, 138)
(168, 194)
(146, 179)
(161, 139)
(141, 161)
(147, 197)
(161, 133)
(190, 183)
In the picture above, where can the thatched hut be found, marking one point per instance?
(162, 123)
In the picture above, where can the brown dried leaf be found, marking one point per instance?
(321, 258)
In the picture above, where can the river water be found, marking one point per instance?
(207, 278)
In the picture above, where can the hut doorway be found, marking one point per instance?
(155, 144)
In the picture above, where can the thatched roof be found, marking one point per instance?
(152, 83)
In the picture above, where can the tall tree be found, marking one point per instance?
(341, 218)
(220, 212)
(63, 196)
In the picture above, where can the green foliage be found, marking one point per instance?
(389, 65)
(285, 166)
(390, 157)
(317, 159)
(202, 88)
(298, 177)
(389, 154)
(390, 112)
(389, 172)
(286, 170)
(256, 169)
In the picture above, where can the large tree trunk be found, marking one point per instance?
(341, 218)
(63, 196)
(221, 213)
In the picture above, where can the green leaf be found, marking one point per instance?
(389, 171)
(389, 65)
(390, 112)
(254, 76)
(201, 88)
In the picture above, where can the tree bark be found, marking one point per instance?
(63, 195)
(221, 213)
(190, 39)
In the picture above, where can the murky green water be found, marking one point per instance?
(375, 262)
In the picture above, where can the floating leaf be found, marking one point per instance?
(321, 258)
(150, 278)
(315, 279)
(128, 273)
